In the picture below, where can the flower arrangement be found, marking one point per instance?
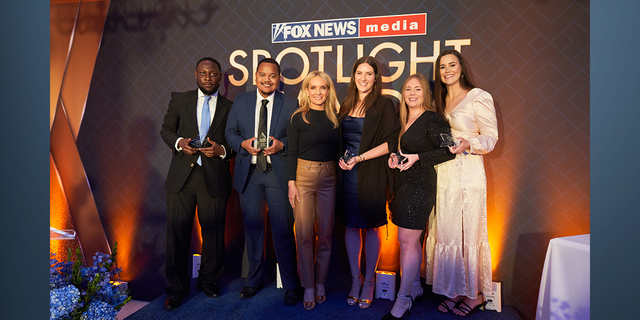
(85, 293)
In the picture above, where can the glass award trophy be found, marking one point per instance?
(264, 142)
(401, 158)
(196, 143)
(199, 143)
(398, 159)
(447, 140)
(348, 155)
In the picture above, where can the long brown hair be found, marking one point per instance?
(440, 89)
(330, 105)
(352, 93)
(427, 100)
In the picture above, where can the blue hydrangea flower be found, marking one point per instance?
(71, 284)
(111, 294)
(99, 310)
(62, 301)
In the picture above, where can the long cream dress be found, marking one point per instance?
(457, 246)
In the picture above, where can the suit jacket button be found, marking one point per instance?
(192, 165)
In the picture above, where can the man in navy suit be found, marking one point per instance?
(199, 175)
(257, 129)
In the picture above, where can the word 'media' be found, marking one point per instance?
(366, 27)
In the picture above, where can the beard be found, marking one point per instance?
(208, 92)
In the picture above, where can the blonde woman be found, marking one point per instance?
(314, 140)
(415, 183)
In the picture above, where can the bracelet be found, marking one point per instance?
(361, 158)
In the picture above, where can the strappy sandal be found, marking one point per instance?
(321, 298)
(366, 303)
(466, 309)
(351, 300)
(446, 306)
(309, 305)
(418, 283)
(389, 316)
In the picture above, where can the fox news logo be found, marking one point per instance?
(368, 27)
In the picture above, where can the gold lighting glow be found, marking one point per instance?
(390, 251)
(75, 34)
(60, 217)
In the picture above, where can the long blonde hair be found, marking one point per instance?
(427, 100)
(331, 105)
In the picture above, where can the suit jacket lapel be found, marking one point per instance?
(251, 115)
(221, 109)
(278, 100)
(192, 114)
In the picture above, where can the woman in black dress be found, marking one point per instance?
(415, 183)
(370, 127)
(314, 140)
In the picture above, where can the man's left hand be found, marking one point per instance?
(275, 147)
(215, 150)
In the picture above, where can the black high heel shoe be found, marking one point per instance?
(467, 310)
(418, 283)
(389, 316)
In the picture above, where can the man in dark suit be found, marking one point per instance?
(199, 175)
(259, 176)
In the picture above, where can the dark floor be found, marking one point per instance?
(269, 304)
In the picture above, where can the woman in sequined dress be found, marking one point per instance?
(415, 182)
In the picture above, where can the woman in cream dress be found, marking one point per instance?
(458, 253)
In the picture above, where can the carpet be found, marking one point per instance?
(269, 304)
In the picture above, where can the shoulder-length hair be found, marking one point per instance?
(440, 89)
(353, 96)
(331, 105)
(427, 101)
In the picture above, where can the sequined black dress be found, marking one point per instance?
(415, 188)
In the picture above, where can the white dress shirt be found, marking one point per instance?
(259, 99)
(212, 111)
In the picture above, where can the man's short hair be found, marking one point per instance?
(269, 60)
(209, 59)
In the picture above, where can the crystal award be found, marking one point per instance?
(199, 143)
(196, 143)
(398, 159)
(447, 140)
(348, 155)
(264, 142)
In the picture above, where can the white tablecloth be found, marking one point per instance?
(565, 286)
